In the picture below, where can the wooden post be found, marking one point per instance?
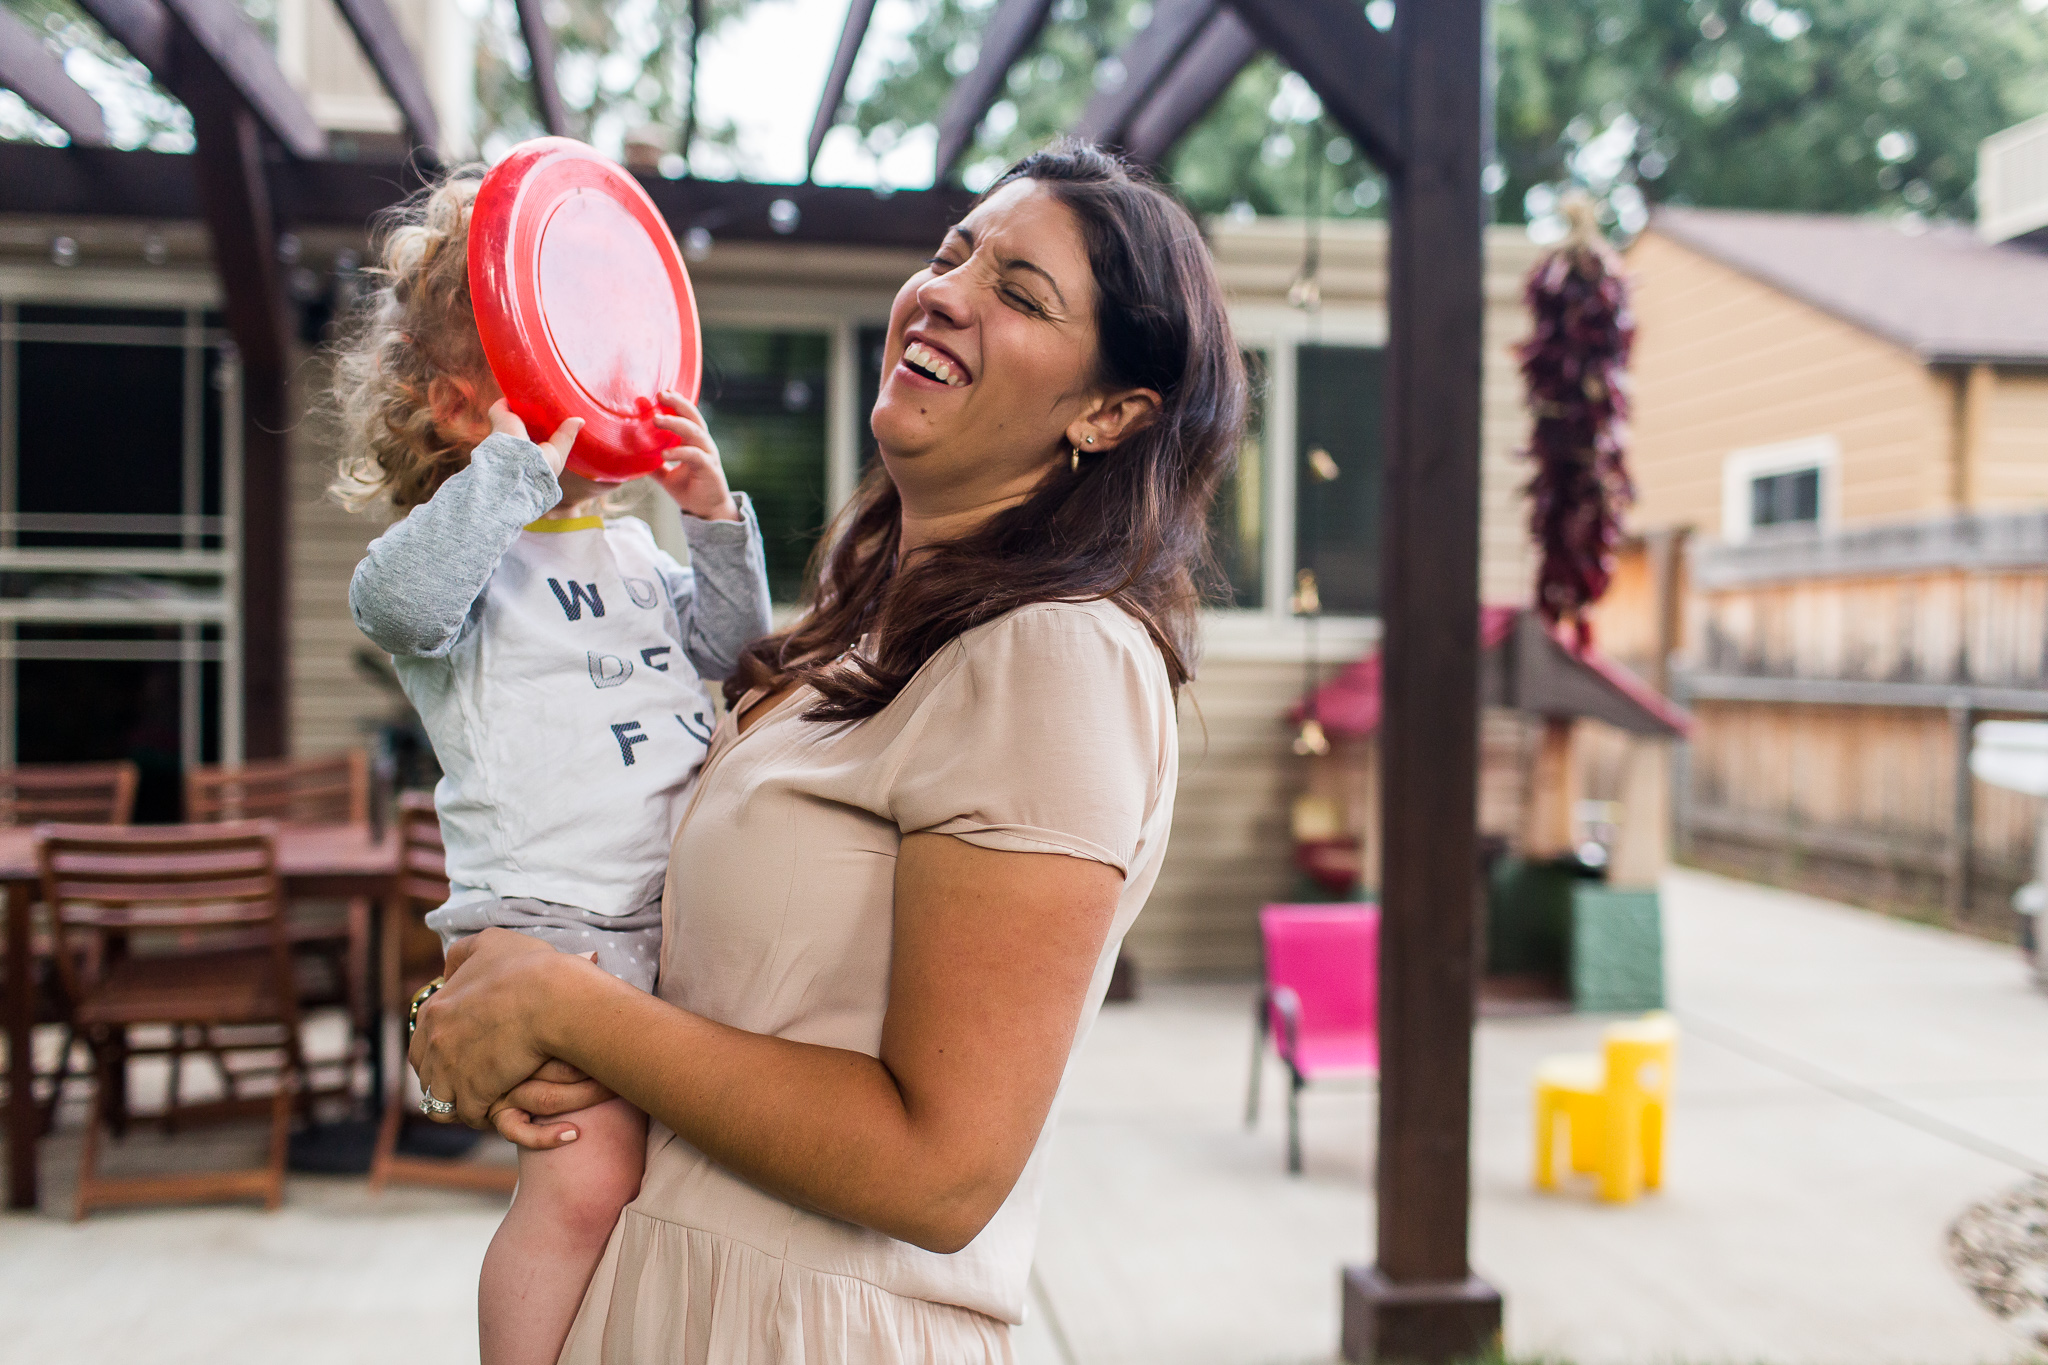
(1547, 814)
(235, 197)
(1962, 816)
(1421, 1302)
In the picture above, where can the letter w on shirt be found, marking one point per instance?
(572, 601)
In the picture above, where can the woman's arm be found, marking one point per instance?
(993, 954)
(414, 589)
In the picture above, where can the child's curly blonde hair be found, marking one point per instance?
(416, 327)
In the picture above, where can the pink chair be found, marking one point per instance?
(1321, 1002)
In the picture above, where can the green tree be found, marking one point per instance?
(138, 111)
(1838, 106)
(621, 65)
(1264, 147)
(1826, 105)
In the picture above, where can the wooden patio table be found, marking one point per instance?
(324, 861)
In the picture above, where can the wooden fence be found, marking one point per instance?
(1836, 682)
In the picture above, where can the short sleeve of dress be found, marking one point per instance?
(1049, 733)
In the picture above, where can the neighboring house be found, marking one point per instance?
(1824, 372)
(1848, 418)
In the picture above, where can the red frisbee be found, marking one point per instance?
(583, 304)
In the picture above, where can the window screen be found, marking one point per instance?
(764, 397)
(1337, 520)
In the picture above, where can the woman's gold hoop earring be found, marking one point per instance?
(1074, 459)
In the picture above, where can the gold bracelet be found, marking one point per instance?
(420, 997)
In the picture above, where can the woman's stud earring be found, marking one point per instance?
(1090, 440)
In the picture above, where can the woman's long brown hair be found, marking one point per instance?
(1130, 526)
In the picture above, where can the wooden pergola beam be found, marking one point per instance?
(1147, 60)
(232, 44)
(32, 71)
(1421, 1301)
(383, 42)
(1351, 65)
(1223, 49)
(102, 182)
(234, 195)
(1012, 28)
(540, 57)
(858, 15)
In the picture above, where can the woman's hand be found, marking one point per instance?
(693, 476)
(478, 1037)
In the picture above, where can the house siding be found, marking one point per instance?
(1724, 362)
(333, 705)
(2012, 447)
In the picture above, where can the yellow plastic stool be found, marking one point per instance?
(1615, 1105)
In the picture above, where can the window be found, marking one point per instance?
(1237, 519)
(1780, 489)
(1785, 499)
(117, 634)
(1338, 436)
(765, 400)
(872, 341)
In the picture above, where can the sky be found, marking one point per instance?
(765, 70)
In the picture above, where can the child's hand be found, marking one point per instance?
(521, 1128)
(555, 447)
(693, 476)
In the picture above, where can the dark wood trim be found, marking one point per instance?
(1212, 62)
(858, 15)
(383, 42)
(1351, 65)
(232, 44)
(32, 71)
(1012, 28)
(159, 187)
(1420, 1301)
(1147, 60)
(540, 57)
(235, 197)
(841, 215)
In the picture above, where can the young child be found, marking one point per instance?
(556, 658)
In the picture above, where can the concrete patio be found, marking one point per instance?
(1848, 1085)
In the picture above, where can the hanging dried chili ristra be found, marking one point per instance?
(1575, 364)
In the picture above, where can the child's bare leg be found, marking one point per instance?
(541, 1260)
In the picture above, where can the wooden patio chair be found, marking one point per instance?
(412, 958)
(160, 902)
(330, 790)
(82, 793)
(79, 793)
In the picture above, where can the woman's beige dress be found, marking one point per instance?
(1050, 730)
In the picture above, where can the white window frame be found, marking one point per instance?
(1742, 468)
(786, 310)
(1270, 631)
(193, 293)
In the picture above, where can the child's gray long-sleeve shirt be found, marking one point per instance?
(556, 666)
